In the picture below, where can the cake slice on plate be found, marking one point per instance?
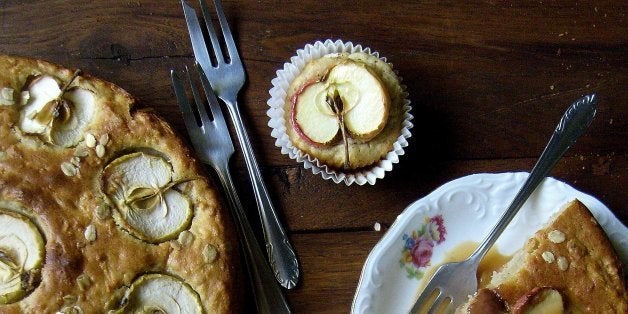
(568, 266)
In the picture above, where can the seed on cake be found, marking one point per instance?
(69, 299)
(104, 139)
(75, 161)
(68, 169)
(102, 211)
(210, 253)
(6, 96)
(186, 238)
(81, 151)
(24, 97)
(83, 281)
(555, 236)
(90, 233)
(562, 262)
(100, 150)
(548, 257)
(90, 140)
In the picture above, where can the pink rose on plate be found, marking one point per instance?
(422, 252)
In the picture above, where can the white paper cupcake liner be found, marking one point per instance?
(277, 122)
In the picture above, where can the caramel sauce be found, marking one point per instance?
(491, 262)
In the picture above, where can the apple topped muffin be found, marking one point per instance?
(345, 109)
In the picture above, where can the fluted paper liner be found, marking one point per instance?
(277, 122)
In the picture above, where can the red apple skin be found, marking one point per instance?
(526, 301)
(487, 301)
(293, 114)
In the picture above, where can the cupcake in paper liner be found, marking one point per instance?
(341, 110)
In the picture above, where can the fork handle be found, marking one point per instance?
(267, 294)
(281, 255)
(573, 123)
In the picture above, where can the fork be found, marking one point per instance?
(212, 143)
(453, 282)
(227, 78)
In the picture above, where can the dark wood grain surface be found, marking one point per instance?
(488, 81)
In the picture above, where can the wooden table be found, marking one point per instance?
(488, 82)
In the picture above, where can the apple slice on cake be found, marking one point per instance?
(59, 114)
(158, 293)
(21, 256)
(141, 187)
(361, 100)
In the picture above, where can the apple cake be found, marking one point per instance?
(103, 208)
(569, 266)
(345, 109)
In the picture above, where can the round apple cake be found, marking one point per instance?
(102, 207)
(345, 109)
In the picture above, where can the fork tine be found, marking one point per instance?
(214, 106)
(197, 100)
(196, 35)
(212, 33)
(184, 105)
(226, 32)
(439, 299)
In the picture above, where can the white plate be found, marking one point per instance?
(469, 207)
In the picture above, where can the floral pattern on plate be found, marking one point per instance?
(418, 246)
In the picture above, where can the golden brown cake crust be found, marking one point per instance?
(583, 267)
(32, 182)
(361, 154)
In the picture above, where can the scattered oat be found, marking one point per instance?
(562, 262)
(175, 245)
(100, 150)
(6, 96)
(561, 34)
(24, 97)
(102, 211)
(610, 121)
(69, 299)
(90, 233)
(555, 236)
(69, 169)
(531, 245)
(81, 151)
(186, 238)
(83, 281)
(75, 161)
(551, 87)
(548, 257)
(210, 253)
(74, 309)
(104, 139)
(377, 227)
(90, 140)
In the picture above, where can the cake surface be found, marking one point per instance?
(368, 144)
(110, 241)
(571, 255)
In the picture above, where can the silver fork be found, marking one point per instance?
(227, 78)
(212, 143)
(455, 281)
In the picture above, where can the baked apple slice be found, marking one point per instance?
(540, 300)
(21, 256)
(58, 113)
(158, 293)
(349, 92)
(141, 187)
